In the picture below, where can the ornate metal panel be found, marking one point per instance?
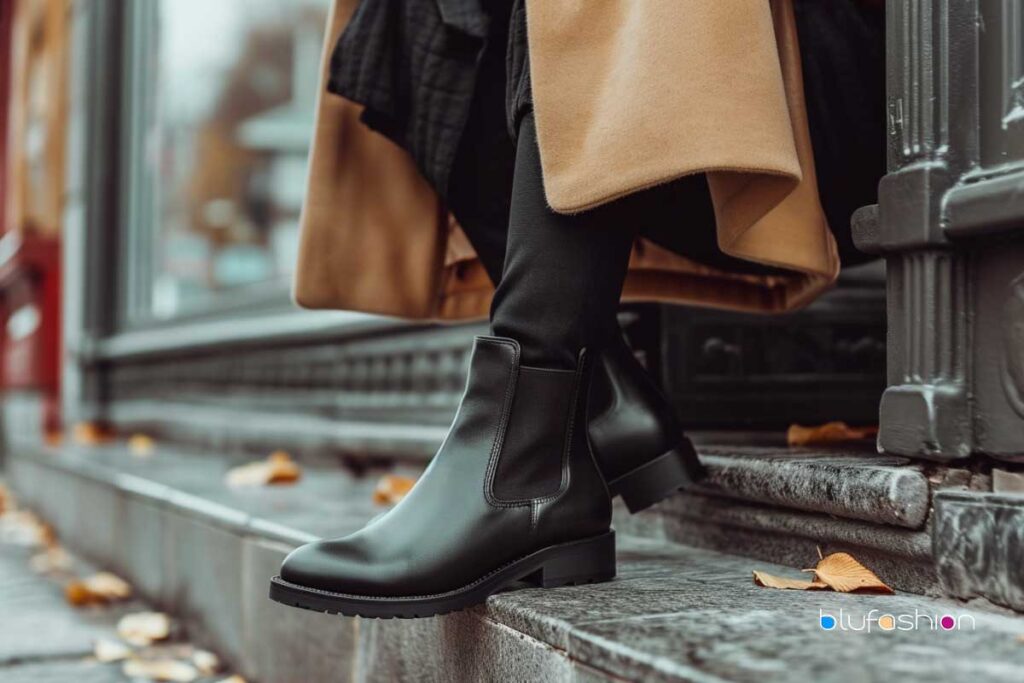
(950, 224)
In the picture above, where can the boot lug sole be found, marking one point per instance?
(654, 481)
(589, 560)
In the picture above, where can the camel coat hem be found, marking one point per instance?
(376, 238)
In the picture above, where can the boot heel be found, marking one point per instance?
(658, 479)
(589, 561)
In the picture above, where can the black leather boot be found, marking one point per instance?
(513, 494)
(637, 441)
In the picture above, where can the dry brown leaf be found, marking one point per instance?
(110, 651)
(206, 662)
(144, 628)
(771, 581)
(141, 445)
(830, 432)
(392, 488)
(278, 468)
(844, 574)
(99, 588)
(92, 433)
(160, 670)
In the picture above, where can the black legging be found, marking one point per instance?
(563, 275)
(559, 277)
(559, 290)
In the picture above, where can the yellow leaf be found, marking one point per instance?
(770, 581)
(392, 488)
(160, 670)
(141, 445)
(830, 432)
(844, 574)
(278, 468)
(144, 628)
(99, 588)
(110, 651)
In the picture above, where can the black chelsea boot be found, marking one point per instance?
(637, 441)
(512, 495)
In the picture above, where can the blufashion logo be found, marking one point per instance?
(886, 621)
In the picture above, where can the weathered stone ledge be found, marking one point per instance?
(873, 488)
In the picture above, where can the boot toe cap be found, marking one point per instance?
(320, 565)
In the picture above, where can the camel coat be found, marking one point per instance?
(627, 95)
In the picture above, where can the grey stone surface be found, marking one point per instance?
(845, 484)
(466, 646)
(203, 581)
(140, 552)
(674, 613)
(283, 644)
(45, 640)
(979, 546)
(35, 622)
(62, 671)
(686, 614)
(787, 537)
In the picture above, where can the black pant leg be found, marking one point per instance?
(480, 184)
(563, 274)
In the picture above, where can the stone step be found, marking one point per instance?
(848, 483)
(675, 613)
(979, 545)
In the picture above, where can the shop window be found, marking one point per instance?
(219, 108)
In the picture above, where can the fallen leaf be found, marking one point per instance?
(144, 628)
(278, 468)
(110, 651)
(92, 433)
(53, 560)
(206, 662)
(770, 581)
(392, 488)
(22, 527)
(830, 432)
(97, 589)
(844, 574)
(160, 670)
(141, 445)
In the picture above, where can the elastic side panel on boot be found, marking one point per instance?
(530, 462)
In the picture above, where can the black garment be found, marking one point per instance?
(842, 51)
(413, 64)
(563, 275)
